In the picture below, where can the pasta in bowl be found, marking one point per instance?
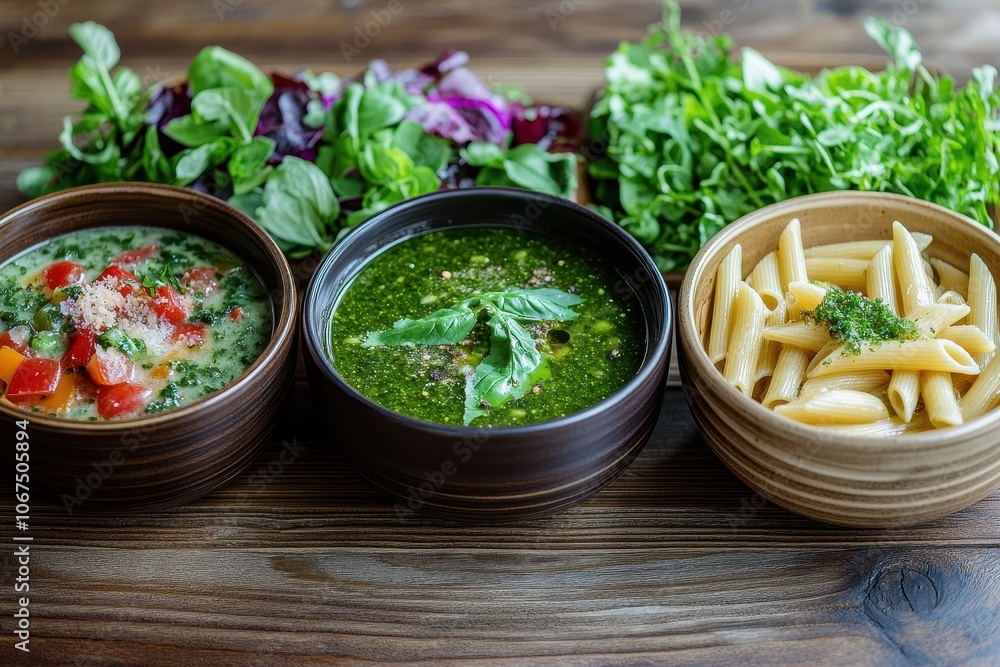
(839, 355)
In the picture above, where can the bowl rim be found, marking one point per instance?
(699, 365)
(312, 310)
(284, 321)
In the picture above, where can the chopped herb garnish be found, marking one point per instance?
(856, 319)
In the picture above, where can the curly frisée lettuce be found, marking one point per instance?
(308, 156)
(696, 139)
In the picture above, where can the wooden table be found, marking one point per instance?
(300, 563)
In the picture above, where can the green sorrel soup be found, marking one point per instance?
(486, 326)
(117, 322)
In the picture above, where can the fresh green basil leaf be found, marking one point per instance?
(299, 206)
(97, 42)
(425, 150)
(193, 162)
(215, 67)
(448, 326)
(538, 305)
(235, 109)
(385, 165)
(191, 132)
(531, 167)
(482, 154)
(249, 164)
(505, 373)
(381, 106)
(154, 162)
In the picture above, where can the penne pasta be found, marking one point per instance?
(807, 296)
(766, 281)
(983, 394)
(970, 337)
(882, 428)
(962, 383)
(868, 381)
(916, 355)
(982, 303)
(904, 393)
(950, 277)
(804, 335)
(840, 406)
(952, 297)
(938, 393)
(880, 280)
(787, 377)
(727, 282)
(745, 340)
(770, 349)
(936, 317)
(823, 353)
(914, 286)
(862, 249)
(847, 274)
(791, 257)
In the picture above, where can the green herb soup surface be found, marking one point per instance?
(590, 352)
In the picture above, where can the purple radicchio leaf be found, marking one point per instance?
(552, 128)
(166, 104)
(281, 119)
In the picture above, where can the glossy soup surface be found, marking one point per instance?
(119, 322)
(584, 360)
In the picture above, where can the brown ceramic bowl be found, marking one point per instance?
(848, 481)
(176, 456)
(476, 473)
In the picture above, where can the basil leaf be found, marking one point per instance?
(299, 207)
(531, 167)
(482, 154)
(234, 109)
(505, 373)
(215, 67)
(97, 42)
(154, 162)
(385, 165)
(191, 132)
(424, 150)
(447, 326)
(381, 106)
(537, 305)
(249, 164)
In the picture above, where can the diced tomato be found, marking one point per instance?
(202, 279)
(128, 282)
(236, 314)
(34, 378)
(122, 399)
(137, 255)
(81, 348)
(109, 367)
(167, 304)
(62, 274)
(18, 339)
(191, 334)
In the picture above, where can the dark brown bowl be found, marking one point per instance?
(477, 473)
(170, 458)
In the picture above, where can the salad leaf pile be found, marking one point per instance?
(696, 139)
(308, 156)
(505, 373)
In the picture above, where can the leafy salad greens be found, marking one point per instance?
(696, 139)
(505, 373)
(308, 156)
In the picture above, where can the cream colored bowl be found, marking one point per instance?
(843, 480)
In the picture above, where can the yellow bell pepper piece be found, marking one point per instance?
(59, 400)
(9, 361)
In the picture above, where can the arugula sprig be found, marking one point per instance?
(505, 373)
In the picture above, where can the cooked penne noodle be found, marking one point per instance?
(952, 297)
(745, 340)
(787, 377)
(982, 395)
(969, 337)
(880, 280)
(903, 393)
(868, 381)
(791, 257)
(936, 317)
(962, 382)
(915, 355)
(823, 353)
(914, 286)
(807, 296)
(766, 281)
(805, 335)
(727, 283)
(770, 349)
(862, 249)
(950, 277)
(840, 406)
(938, 393)
(882, 428)
(982, 303)
(847, 274)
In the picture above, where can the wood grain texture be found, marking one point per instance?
(301, 563)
